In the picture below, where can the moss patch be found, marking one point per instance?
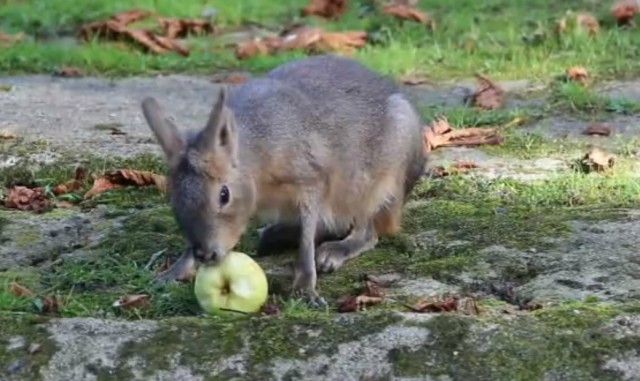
(200, 344)
(563, 342)
(30, 329)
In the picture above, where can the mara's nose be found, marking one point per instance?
(205, 256)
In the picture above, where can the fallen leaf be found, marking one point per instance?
(455, 168)
(448, 303)
(407, 12)
(468, 305)
(19, 290)
(353, 303)
(62, 204)
(577, 73)
(48, 304)
(116, 29)
(132, 301)
(465, 304)
(374, 289)
(600, 129)
(328, 9)
(413, 80)
(131, 15)
(257, 46)
(125, 177)
(309, 39)
(440, 134)
(27, 199)
(117, 131)
(164, 265)
(6, 134)
(624, 11)
(180, 28)
(299, 38)
(233, 78)
(598, 160)
(270, 309)
(73, 184)
(488, 95)
(582, 20)
(371, 294)
(67, 72)
(34, 348)
(340, 42)
(9, 39)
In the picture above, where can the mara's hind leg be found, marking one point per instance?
(282, 236)
(331, 255)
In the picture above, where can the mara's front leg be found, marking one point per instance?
(183, 269)
(304, 274)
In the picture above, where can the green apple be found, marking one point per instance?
(235, 283)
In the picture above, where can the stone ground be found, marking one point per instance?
(595, 259)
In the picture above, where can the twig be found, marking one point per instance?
(154, 257)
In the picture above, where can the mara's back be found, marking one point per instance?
(332, 105)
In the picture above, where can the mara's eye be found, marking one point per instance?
(224, 195)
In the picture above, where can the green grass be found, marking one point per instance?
(494, 37)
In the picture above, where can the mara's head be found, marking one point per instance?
(211, 200)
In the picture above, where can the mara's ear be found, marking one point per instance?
(219, 136)
(165, 131)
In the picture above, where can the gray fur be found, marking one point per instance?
(321, 144)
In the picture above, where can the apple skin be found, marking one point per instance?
(235, 283)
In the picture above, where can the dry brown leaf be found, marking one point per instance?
(440, 134)
(588, 21)
(27, 199)
(117, 131)
(447, 303)
(407, 12)
(413, 80)
(372, 293)
(457, 167)
(300, 38)
(233, 78)
(374, 289)
(132, 301)
(270, 309)
(341, 42)
(125, 177)
(34, 348)
(73, 184)
(353, 303)
(600, 129)
(598, 160)
(624, 11)
(68, 72)
(328, 9)
(6, 134)
(305, 38)
(116, 29)
(19, 290)
(9, 39)
(131, 15)
(488, 95)
(257, 46)
(180, 28)
(577, 73)
(582, 20)
(49, 304)
(62, 204)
